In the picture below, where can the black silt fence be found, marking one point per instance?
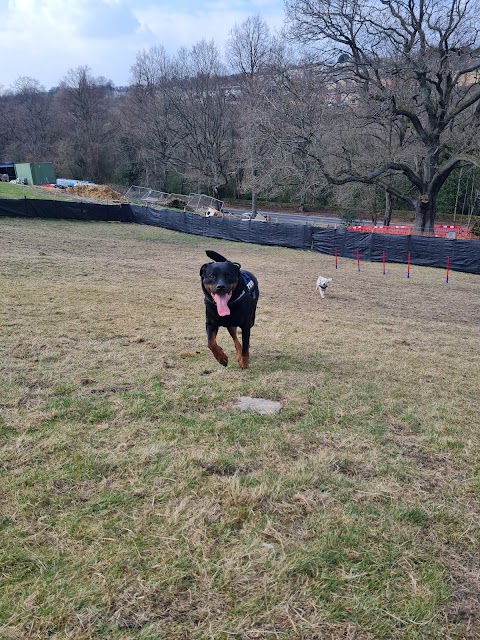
(294, 236)
(66, 210)
(424, 251)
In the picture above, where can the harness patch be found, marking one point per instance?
(248, 282)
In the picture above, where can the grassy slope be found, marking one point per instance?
(138, 503)
(17, 191)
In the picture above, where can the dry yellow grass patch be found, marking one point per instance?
(138, 503)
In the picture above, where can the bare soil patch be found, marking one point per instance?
(98, 191)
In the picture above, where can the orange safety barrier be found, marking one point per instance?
(439, 230)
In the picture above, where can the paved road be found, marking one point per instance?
(297, 218)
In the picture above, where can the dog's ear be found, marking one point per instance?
(202, 269)
(237, 264)
(217, 257)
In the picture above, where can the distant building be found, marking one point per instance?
(35, 172)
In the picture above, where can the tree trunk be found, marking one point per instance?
(301, 206)
(373, 205)
(254, 193)
(254, 203)
(388, 209)
(425, 214)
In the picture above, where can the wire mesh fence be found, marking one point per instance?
(201, 202)
(196, 202)
(147, 196)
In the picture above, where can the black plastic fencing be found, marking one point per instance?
(424, 251)
(295, 236)
(464, 255)
(67, 210)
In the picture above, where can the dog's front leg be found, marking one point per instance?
(244, 359)
(238, 347)
(214, 347)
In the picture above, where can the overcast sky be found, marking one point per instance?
(43, 39)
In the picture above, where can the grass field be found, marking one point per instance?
(139, 503)
(18, 191)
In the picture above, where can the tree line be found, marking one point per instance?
(362, 106)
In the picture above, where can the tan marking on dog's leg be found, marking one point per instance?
(244, 361)
(238, 347)
(217, 350)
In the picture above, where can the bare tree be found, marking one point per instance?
(149, 121)
(31, 122)
(200, 101)
(7, 119)
(249, 50)
(293, 122)
(414, 64)
(88, 125)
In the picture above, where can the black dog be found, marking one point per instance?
(231, 296)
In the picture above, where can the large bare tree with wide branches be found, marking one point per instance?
(416, 66)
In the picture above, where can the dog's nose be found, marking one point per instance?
(220, 287)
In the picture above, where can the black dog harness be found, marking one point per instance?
(248, 287)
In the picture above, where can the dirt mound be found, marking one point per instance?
(98, 191)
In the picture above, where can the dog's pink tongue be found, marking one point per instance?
(221, 300)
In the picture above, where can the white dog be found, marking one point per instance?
(322, 284)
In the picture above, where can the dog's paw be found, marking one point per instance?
(243, 362)
(222, 358)
(219, 354)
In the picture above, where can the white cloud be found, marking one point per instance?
(46, 38)
(174, 29)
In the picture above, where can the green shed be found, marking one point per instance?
(35, 172)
